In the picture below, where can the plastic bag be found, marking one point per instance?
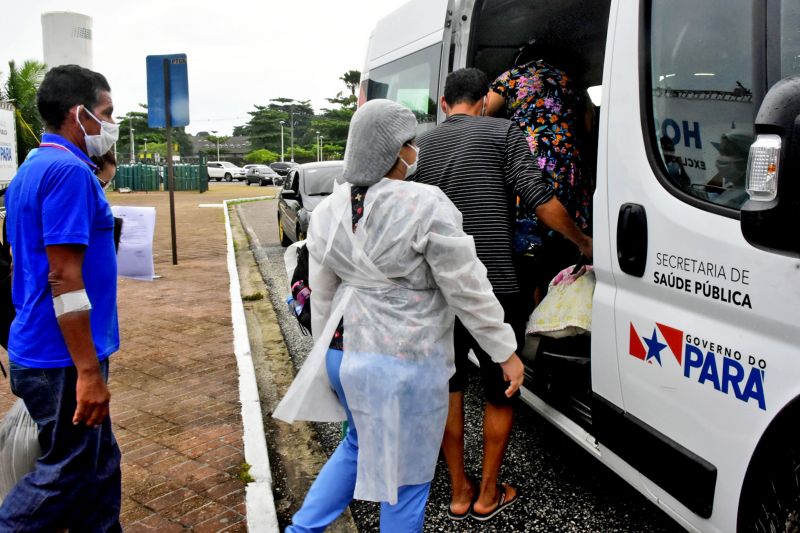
(566, 311)
(19, 447)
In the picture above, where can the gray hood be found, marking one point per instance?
(378, 131)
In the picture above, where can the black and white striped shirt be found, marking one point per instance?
(483, 164)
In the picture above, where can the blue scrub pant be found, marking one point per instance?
(333, 489)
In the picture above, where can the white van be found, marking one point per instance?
(689, 387)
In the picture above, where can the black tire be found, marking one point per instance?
(218, 179)
(228, 178)
(771, 498)
(285, 241)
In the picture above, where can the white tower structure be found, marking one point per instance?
(67, 39)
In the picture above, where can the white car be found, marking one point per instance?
(220, 170)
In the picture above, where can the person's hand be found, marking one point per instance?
(513, 371)
(587, 247)
(93, 398)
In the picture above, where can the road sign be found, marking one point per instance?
(179, 91)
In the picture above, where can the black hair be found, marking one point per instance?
(467, 85)
(66, 86)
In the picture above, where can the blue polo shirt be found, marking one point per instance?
(56, 199)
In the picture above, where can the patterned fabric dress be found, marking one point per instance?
(542, 101)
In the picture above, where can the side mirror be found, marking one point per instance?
(773, 172)
(288, 193)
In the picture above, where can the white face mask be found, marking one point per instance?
(412, 168)
(99, 145)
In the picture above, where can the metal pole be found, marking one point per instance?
(291, 129)
(282, 149)
(217, 148)
(320, 146)
(170, 170)
(130, 124)
(318, 155)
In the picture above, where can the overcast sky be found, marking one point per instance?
(240, 52)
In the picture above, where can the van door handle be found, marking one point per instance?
(632, 239)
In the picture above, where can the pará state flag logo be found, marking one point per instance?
(710, 363)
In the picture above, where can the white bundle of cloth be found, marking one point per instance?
(566, 311)
(19, 447)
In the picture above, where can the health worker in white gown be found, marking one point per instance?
(389, 269)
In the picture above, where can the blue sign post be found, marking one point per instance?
(178, 94)
(168, 106)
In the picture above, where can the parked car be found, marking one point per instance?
(226, 170)
(262, 175)
(282, 167)
(304, 188)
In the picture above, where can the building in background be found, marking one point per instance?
(232, 149)
(67, 39)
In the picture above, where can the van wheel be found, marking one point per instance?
(281, 234)
(771, 498)
(228, 178)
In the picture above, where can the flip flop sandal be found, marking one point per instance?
(501, 504)
(458, 517)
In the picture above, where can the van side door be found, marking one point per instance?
(705, 327)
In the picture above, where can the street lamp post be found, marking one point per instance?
(319, 153)
(217, 138)
(320, 146)
(133, 156)
(291, 130)
(282, 123)
(145, 147)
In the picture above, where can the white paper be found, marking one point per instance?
(135, 254)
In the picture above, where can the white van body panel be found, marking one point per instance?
(416, 25)
(715, 424)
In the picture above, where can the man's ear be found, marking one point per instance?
(443, 104)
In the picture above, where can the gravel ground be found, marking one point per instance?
(562, 487)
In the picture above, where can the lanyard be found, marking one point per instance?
(65, 149)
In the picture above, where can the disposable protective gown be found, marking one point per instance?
(397, 281)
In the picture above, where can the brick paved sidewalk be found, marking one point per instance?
(174, 383)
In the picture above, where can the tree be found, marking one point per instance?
(352, 78)
(20, 89)
(264, 129)
(141, 131)
(261, 156)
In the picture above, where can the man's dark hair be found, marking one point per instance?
(65, 87)
(467, 85)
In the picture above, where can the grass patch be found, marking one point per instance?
(253, 297)
(244, 473)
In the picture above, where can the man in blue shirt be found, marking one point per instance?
(61, 229)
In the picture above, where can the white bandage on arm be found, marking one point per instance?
(70, 302)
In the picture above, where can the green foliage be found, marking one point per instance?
(262, 155)
(154, 136)
(20, 89)
(264, 129)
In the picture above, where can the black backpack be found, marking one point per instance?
(300, 300)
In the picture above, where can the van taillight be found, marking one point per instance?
(362, 92)
(762, 168)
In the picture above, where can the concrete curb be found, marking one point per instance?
(260, 503)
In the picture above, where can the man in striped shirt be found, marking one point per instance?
(483, 164)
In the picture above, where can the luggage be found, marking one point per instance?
(566, 311)
(19, 447)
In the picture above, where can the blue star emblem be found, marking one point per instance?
(654, 347)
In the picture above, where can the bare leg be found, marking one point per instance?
(497, 423)
(453, 447)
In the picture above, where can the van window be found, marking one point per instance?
(702, 78)
(790, 38)
(412, 81)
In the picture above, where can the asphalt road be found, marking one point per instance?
(562, 487)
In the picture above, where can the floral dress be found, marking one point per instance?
(542, 101)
